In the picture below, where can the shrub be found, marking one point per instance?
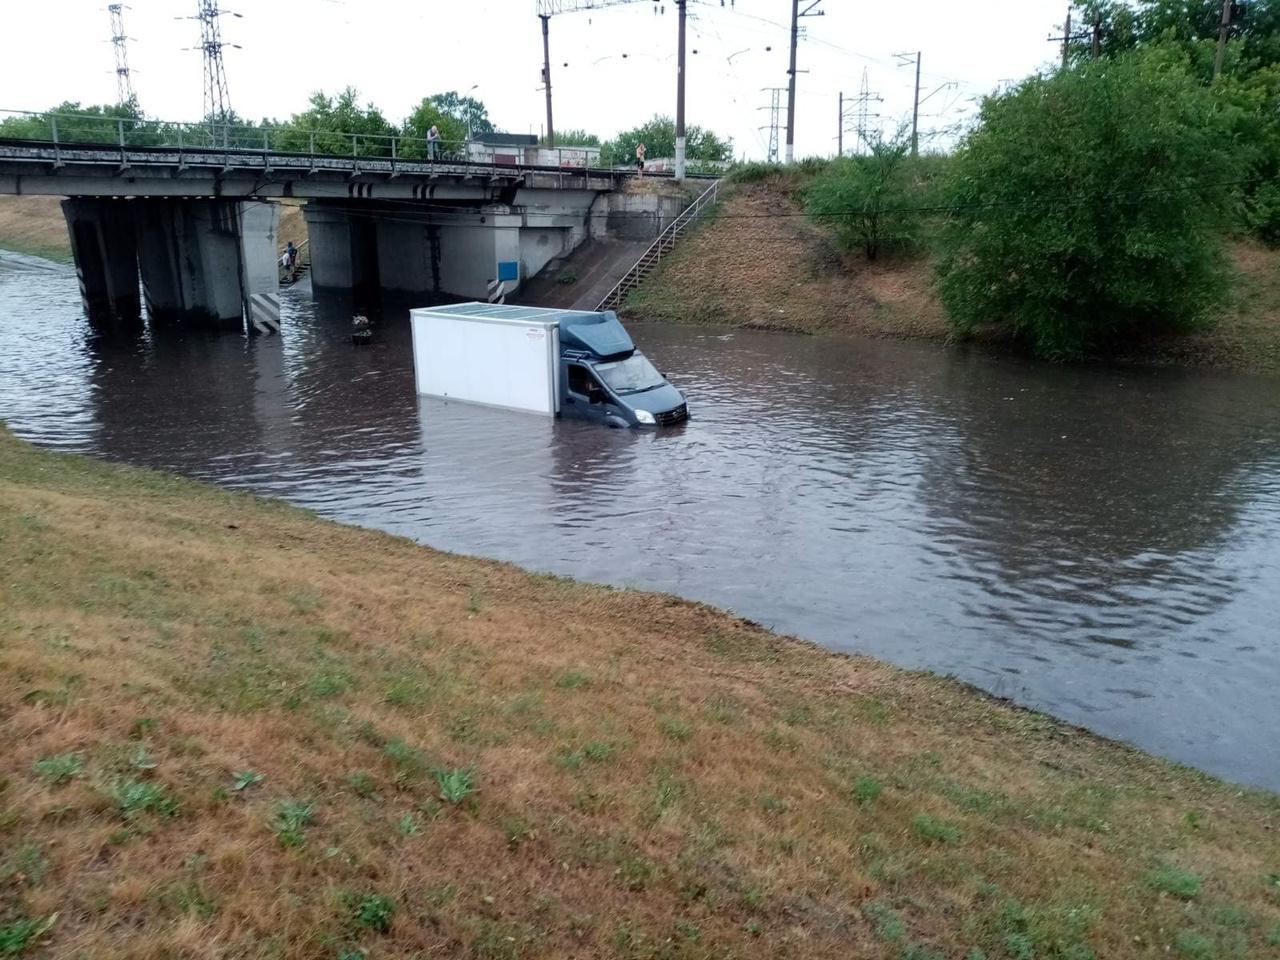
(1082, 210)
(1179, 883)
(875, 203)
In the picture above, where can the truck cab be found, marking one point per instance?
(605, 378)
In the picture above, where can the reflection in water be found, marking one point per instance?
(1099, 543)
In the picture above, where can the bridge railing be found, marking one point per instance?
(126, 132)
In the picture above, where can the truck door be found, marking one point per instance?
(583, 396)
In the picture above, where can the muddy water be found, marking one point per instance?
(1103, 544)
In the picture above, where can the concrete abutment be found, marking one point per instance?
(199, 260)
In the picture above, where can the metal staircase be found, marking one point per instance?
(659, 248)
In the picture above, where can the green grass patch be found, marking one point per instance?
(934, 830)
(1171, 880)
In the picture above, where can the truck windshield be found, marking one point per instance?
(631, 375)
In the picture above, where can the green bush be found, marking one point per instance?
(875, 203)
(1085, 207)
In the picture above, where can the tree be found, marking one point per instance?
(1085, 207)
(572, 138)
(337, 125)
(659, 137)
(873, 201)
(453, 131)
(77, 123)
(1190, 25)
(472, 113)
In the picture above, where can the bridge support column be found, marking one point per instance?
(344, 248)
(201, 260)
(106, 255)
(470, 252)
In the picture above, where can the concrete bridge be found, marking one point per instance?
(199, 225)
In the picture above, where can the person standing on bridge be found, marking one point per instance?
(640, 159)
(433, 142)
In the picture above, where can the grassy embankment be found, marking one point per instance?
(231, 729)
(762, 264)
(35, 226)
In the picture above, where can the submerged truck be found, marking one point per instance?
(571, 363)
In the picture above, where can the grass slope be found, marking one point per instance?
(760, 264)
(230, 729)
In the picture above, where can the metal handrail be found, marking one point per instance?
(67, 129)
(653, 255)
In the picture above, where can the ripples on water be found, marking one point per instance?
(1103, 544)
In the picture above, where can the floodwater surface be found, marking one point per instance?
(1102, 544)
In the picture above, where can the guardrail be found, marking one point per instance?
(67, 130)
(653, 256)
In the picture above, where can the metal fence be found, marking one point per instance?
(65, 129)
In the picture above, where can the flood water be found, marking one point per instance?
(1103, 544)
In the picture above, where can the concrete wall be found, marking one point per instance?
(201, 259)
(641, 216)
(105, 247)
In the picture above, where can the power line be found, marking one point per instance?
(124, 84)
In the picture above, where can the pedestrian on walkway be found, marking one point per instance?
(433, 142)
(640, 159)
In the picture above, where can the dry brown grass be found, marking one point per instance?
(34, 226)
(656, 778)
(761, 264)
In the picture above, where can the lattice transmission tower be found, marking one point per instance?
(217, 101)
(124, 83)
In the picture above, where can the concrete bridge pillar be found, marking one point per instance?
(344, 248)
(471, 250)
(106, 256)
(202, 259)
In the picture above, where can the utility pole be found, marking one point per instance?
(840, 129)
(124, 85)
(546, 73)
(1097, 36)
(1066, 38)
(680, 59)
(1223, 29)
(915, 110)
(796, 14)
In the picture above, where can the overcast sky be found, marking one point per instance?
(398, 51)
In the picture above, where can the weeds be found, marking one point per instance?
(573, 680)
(866, 790)
(456, 785)
(23, 932)
(408, 825)
(676, 730)
(368, 911)
(242, 781)
(135, 798)
(58, 768)
(1179, 883)
(885, 920)
(289, 821)
(934, 830)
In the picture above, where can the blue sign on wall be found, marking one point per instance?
(508, 270)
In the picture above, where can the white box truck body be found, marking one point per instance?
(576, 363)
(501, 356)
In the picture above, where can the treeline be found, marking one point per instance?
(339, 125)
(1091, 205)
